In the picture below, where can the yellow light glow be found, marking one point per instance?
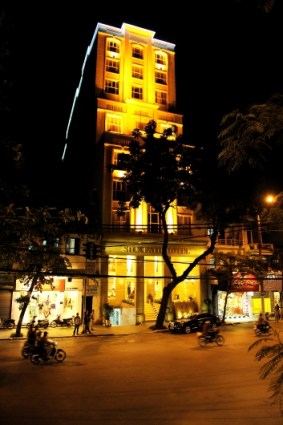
(118, 173)
(270, 199)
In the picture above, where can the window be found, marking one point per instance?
(137, 92)
(112, 66)
(72, 246)
(154, 224)
(160, 77)
(160, 97)
(113, 45)
(113, 123)
(120, 160)
(137, 72)
(141, 125)
(160, 60)
(137, 52)
(119, 191)
(121, 222)
(112, 86)
(51, 243)
(184, 224)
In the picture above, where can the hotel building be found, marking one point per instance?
(127, 79)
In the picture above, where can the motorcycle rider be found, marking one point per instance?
(261, 323)
(207, 329)
(47, 345)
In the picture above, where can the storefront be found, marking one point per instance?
(65, 299)
(246, 299)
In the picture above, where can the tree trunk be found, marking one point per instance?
(25, 305)
(163, 306)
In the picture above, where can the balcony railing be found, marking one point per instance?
(148, 228)
(230, 241)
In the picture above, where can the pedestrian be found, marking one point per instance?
(107, 320)
(92, 319)
(86, 322)
(77, 324)
(277, 313)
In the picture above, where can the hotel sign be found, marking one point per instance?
(141, 250)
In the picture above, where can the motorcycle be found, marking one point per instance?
(264, 329)
(38, 355)
(62, 322)
(7, 324)
(27, 349)
(213, 336)
(44, 323)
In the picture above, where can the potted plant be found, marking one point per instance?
(107, 313)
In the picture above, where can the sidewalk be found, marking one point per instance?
(98, 330)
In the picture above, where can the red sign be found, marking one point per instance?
(244, 283)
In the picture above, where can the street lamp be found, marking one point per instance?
(269, 199)
(259, 231)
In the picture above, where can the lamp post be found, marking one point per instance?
(259, 231)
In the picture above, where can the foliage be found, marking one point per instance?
(160, 169)
(108, 309)
(252, 141)
(273, 367)
(30, 246)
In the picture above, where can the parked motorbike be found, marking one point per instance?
(61, 322)
(7, 324)
(265, 329)
(212, 336)
(44, 323)
(38, 355)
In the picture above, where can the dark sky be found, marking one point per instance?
(228, 55)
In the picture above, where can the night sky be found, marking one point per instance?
(228, 55)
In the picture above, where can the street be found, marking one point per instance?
(142, 379)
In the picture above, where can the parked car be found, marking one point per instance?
(193, 324)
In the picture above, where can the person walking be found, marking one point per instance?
(77, 323)
(277, 313)
(92, 319)
(86, 323)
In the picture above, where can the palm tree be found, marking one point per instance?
(273, 367)
(249, 138)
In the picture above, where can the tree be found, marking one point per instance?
(253, 141)
(251, 145)
(30, 247)
(160, 170)
(273, 367)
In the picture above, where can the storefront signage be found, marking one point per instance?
(244, 283)
(273, 282)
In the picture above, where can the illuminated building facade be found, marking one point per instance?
(128, 79)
